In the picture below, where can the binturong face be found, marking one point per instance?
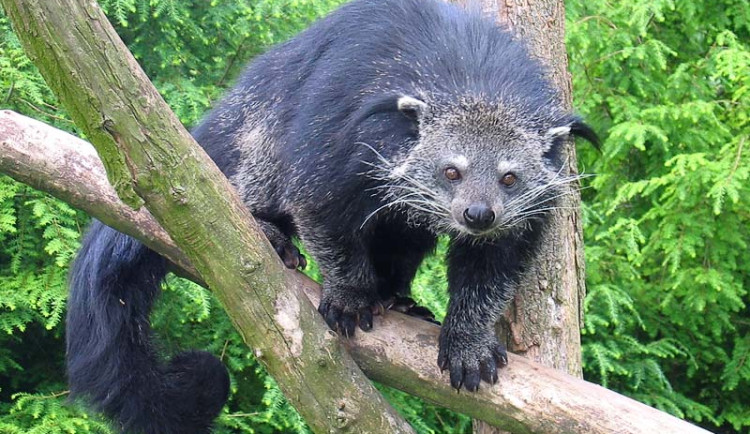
(480, 170)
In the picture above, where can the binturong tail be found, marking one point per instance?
(112, 362)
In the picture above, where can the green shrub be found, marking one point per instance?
(666, 218)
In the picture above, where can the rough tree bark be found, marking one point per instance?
(151, 158)
(543, 321)
(545, 318)
(400, 352)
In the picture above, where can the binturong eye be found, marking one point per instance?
(509, 179)
(452, 173)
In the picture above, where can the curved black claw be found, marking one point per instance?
(365, 319)
(471, 360)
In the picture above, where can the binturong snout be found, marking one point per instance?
(479, 216)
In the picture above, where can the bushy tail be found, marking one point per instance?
(111, 361)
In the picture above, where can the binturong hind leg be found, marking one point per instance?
(112, 362)
(281, 241)
(396, 257)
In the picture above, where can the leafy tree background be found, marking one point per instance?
(667, 216)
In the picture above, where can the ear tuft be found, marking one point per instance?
(576, 127)
(556, 132)
(581, 129)
(412, 108)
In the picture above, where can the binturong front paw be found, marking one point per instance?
(344, 314)
(470, 358)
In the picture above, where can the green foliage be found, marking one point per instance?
(46, 414)
(667, 222)
(430, 285)
(38, 236)
(22, 88)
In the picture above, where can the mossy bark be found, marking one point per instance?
(150, 158)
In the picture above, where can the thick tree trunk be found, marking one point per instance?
(545, 319)
(150, 158)
(400, 352)
(543, 322)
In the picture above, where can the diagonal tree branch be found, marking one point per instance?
(151, 159)
(400, 352)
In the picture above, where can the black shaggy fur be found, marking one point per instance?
(381, 127)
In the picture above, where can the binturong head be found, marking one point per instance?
(481, 168)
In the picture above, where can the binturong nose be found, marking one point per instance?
(479, 216)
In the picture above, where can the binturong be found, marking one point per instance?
(383, 126)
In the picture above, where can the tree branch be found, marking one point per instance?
(400, 352)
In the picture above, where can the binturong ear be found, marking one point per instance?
(575, 127)
(556, 136)
(412, 108)
(581, 129)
